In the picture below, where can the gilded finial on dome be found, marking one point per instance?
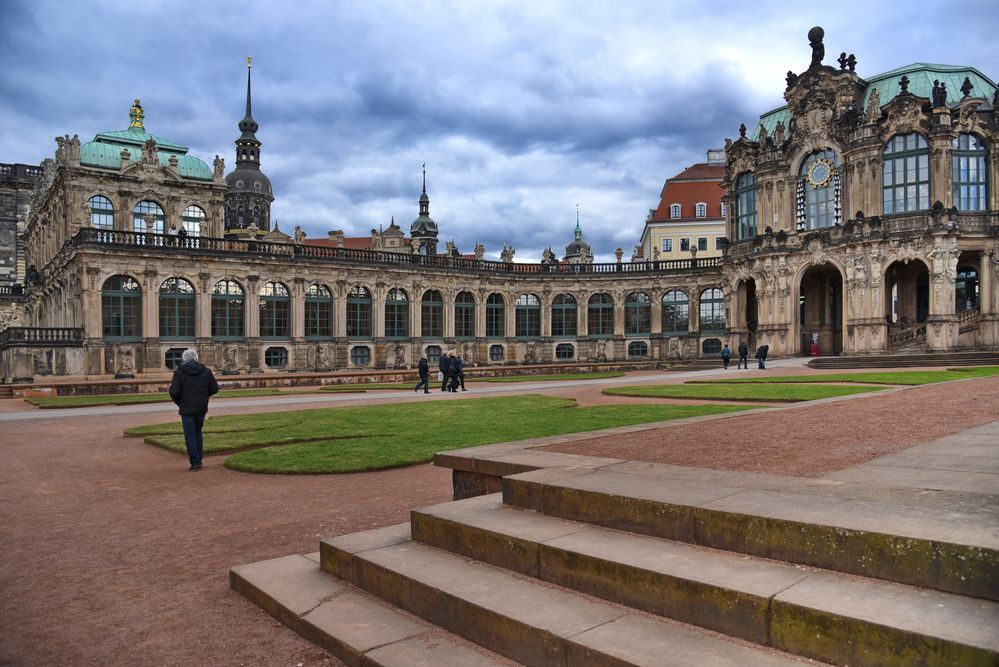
(135, 115)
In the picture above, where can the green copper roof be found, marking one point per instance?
(921, 77)
(105, 152)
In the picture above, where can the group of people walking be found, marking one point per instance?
(761, 355)
(451, 373)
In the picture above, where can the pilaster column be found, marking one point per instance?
(985, 284)
(203, 306)
(253, 307)
(378, 311)
(298, 309)
(150, 305)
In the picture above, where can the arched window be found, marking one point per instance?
(637, 314)
(275, 311)
(464, 315)
(970, 175)
(360, 355)
(712, 313)
(745, 206)
(177, 312)
(121, 308)
(495, 319)
(527, 323)
(192, 219)
(906, 174)
(227, 311)
(101, 212)
(966, 291)
(276, 357)
(565, 351)
(711, 346)
(139, 213)
(701, 210)
(433, 354)
(638, 349)
(432, 315)
(318, 312)
(397, 314)
(564, 319)
(495, 353)
(818, 197)
(600, 315)
(676, 312)
(358, 312)
(674, 211)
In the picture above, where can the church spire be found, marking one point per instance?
(579, 230)
(247, 146)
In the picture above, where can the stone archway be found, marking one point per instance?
(907, 294)
(821, 311)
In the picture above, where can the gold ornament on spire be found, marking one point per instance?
(248, 61)
(135, 115)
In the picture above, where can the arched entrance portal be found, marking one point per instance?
(820, 310)
(745, 318)
(908, 294)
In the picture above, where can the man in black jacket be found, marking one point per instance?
(445, 367)
(424, 370)
(192, 385)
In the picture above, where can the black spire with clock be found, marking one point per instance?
(248, 201)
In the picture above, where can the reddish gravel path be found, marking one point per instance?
(812, 440)
(112, 553)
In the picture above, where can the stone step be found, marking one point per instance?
(806, 523)
(904, 360)
(523, 619)
(349, 623)
(828, 616)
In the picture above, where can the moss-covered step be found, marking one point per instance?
(824, 615)
(943, 549)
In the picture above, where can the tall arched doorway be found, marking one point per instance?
(746, 312)
(820, 310)
(907, 290)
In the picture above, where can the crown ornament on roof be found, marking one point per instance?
(135, 115)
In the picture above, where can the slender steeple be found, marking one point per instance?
(423, 231)
(248, 146)
(248, 201)
(579, 230)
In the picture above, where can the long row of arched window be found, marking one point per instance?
(905, 185)
(121, 312)
(102, 216)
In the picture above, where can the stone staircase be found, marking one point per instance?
(909, 360)
(627, 563)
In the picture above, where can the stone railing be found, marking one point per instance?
(969, 318)
(91, 237)
(41, 336)
(11, 292)
(906, 336)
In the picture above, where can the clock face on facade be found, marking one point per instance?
(820, 173)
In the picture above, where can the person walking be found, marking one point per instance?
(445, 368)
(453, 387)
(761, 355)
(424, 369)
(460, 363)
(726, 356)
(743, 355)
(192, 385)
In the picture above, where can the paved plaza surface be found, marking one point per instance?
(113, 553)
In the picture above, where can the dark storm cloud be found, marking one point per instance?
(520, 110)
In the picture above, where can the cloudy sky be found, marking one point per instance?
(520, 110)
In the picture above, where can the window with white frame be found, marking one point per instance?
(684, 245)
(674, 211)
(667, 245)
(701, 211)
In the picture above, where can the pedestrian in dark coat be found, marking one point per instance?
(761, 354)
(445, 367)
(424, 369)
(743, 355)
(726, 356)
(461, 370)
(453, 387)
(193, 384)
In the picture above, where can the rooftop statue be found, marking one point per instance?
(815, 36)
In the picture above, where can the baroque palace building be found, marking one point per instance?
(863, 213)
(135, 250)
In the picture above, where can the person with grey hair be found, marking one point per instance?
(193, 384)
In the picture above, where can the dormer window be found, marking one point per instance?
(674, 211)
(701, 210)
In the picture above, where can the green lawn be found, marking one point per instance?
(385, 436)
(548, 378)
(130, 399)
(770, 392)
(876, 377)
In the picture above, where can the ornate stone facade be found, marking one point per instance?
(914, 266)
